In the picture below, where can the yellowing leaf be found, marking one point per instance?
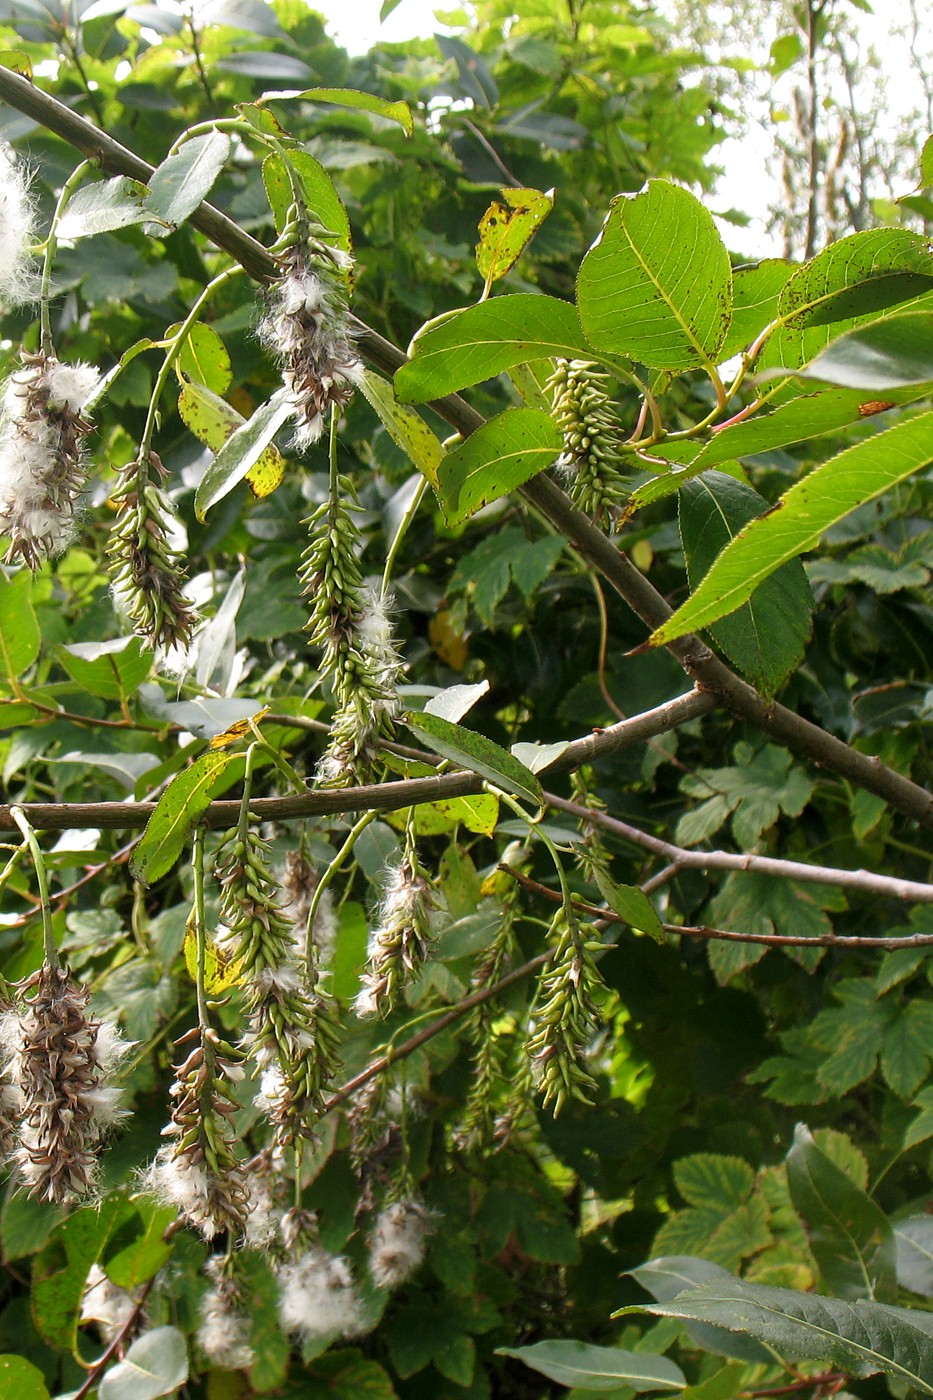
(221, 972)
(506, 229)
(212, 420)
(238, 730)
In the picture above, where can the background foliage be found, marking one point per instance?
(707, 1053)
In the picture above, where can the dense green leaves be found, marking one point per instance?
(19, 630)
(638, 291)
(883, 355)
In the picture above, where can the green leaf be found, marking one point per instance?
(801, 420)
(849, 1234)
(479, 754)
(506, 229)
(913, 1242)
(756, 290)
(475, 344)
(242, 451)
(766, 638)
(101, 207)
(598, 1368)
(111, 670)
(640, 290)
(711, 1179)
(20, 641)
(137, 1250)
(849, 280)
(203, 358)
(504, 453)
(318, 189)
(800, 518)
(20, 1380)
(926, 165)
(185, 178)
(399, 112)
(920, 1129)
(860, 1338)
(671, 1275)
(405, 427)
(887, 354)
(177, 810)
(25, 1225)
(60, 1269)
(345, 1374)
(156, 1364)
(631, 904)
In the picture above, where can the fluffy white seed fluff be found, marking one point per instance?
(317, 1297)
(398, 1242)
(102, 1302)
(223, 1334)
(17, 273)
(176, 1181)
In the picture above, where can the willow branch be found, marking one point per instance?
(376, 797)
(448, 1018)
(888, 886)
(802, 737)
(770, 940)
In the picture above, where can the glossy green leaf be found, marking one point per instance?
(20, 1380)
(186, 178)
(16, 61)
(477, 753)
(242, 451)
(319, 190)
(799, 519)
(859, 1338)
(767, 636)
(111, 669)
(202, 358)
(886, 354)
(856, 277)
(176, 812)
(405, 427)
(849, 1234)
(638, 290)
(506, 229)
(595, 1368)
(475, 344)
(399, 112)
(19, 630)
(631, 904)
(102, 207)
(156, 1364)
(504, 453)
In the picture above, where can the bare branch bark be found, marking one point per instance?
(377, 797)
(866, 881)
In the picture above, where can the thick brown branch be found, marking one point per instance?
(889, 886)
(798, 734)
(379, 797)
